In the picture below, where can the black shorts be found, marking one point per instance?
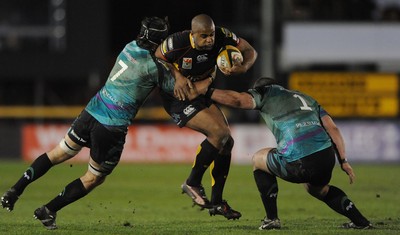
(315, 169)
(105, 145)
(182, 111)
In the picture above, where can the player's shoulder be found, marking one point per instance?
(133, 49)
(225, 33)
(176, 41)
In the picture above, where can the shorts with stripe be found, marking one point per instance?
(105, 144)
(182, 111)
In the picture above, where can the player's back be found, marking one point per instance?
(131, 80)
(294, 119)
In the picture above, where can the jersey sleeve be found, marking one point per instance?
(322, 111)
(228, 36)
(172, 45)
(257, 97)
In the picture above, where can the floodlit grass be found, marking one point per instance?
(146, 199)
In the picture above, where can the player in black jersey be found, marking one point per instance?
(193, 54)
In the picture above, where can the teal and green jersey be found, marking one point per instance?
(131, 80)
(294, 119)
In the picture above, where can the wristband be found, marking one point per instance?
(343, 161)
(209, 92)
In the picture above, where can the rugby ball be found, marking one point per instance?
(228, 55)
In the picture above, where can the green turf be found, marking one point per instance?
(146, 199)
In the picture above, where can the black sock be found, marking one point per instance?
(219, 174)
(338, 201)
(38, 168)
(72, 192)
(204, 158)
(268, 187)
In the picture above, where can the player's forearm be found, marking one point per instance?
(339, 143)
(336, 136)
(249, 57)
(248, 52)
(232, 99)
(200, 87)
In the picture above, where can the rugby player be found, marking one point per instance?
(308, 141)
(193, 54)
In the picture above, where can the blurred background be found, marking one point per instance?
(56, 54)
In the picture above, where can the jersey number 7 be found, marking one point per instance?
(123, 68)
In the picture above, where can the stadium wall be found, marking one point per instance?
(366, 141)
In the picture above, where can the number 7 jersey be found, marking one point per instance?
(294, 119)
(132, 79)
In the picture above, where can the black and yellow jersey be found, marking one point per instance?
(179, 50)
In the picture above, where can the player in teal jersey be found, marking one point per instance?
(307, 140)
(102, 125)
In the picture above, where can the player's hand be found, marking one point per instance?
(349, 171)
(181, 87)
(237, 68)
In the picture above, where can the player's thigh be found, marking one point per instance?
(209, 121)
(219, 115)
(65, 150)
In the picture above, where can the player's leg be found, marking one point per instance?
(105, 151)
(267, 185)
(218, 134)
(72, 192)
(338, 201)
(214, 127)
(65, 150)
(322, 164)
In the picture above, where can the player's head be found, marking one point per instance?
(203, 32)
(152, 32)
(264, 81)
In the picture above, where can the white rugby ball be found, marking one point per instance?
(228, 55)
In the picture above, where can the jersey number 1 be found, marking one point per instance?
(305, 106)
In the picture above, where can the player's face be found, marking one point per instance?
(204, 40)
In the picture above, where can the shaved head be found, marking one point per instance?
(202, 23)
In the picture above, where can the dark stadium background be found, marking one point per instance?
(39, 70)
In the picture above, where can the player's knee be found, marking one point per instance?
(227, 145)
(223, 133)
(256, 159)
(68, 149)
(90, 181)
(317, 192)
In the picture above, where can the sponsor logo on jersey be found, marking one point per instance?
(187, 63)
(308, 123)
(189, 110)
(202, 58)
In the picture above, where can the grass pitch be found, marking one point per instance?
(146, 199)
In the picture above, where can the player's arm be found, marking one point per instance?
(338, 141)
(242, 100)
(249, 57)
(182, 84)
(201, 87)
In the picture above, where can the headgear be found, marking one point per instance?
(152, 32)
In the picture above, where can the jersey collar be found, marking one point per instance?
(192, 41)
